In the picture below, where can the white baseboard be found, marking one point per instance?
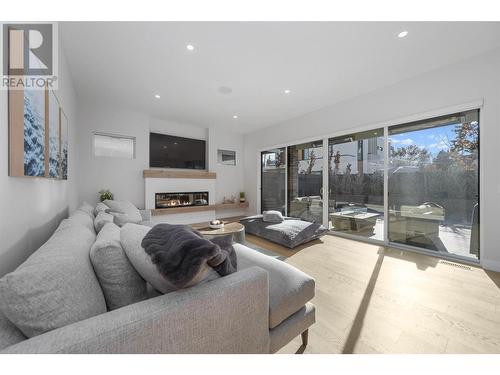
(491, 265)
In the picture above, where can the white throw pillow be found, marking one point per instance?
(124, 212)
(272, 217)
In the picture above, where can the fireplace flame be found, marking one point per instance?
(167, 200)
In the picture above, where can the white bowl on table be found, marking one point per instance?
(216, 224)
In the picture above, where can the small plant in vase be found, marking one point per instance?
(242, 197)
(105, 194)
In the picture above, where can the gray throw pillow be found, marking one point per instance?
(120, 282)
(123, 212)
(122, 219)
(101, 220)
(55, 286)
(131, 236)
(9, 333)
(272, 217)
(100, 207)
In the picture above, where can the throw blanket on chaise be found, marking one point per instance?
(180, 253)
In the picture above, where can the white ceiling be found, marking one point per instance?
(322, 63)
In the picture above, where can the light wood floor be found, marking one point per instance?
(371, 299)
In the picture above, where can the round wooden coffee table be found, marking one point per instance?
(236, 229)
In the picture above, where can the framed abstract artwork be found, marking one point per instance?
(38, 135)
(27, 133)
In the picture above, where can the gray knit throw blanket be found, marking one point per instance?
(179, 252)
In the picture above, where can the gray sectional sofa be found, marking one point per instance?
(54, 303)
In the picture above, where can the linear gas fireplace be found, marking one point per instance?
(169, 200)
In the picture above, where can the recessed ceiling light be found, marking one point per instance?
(402, 34)
(157, 96)
(287, 91)
(225, 90)
(235, 117)
(190, 47)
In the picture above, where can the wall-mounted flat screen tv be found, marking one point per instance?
(168, 151)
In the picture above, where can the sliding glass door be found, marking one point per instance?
(409, 185)
(305, 181)
(273, 180)
(356, 184)
(434, 184)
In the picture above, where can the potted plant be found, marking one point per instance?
(105, 194)
(242, 196)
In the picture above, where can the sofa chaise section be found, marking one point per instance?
(290, 290)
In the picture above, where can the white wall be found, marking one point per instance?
(179, 130)
(230, 179)
(124, 176)
(464, 82)
(31, 208)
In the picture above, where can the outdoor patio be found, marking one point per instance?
(452, 239)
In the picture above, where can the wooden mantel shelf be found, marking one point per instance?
(210, 207)
(168, 173)
(225, 206)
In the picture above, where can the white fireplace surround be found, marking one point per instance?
(174, 185)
